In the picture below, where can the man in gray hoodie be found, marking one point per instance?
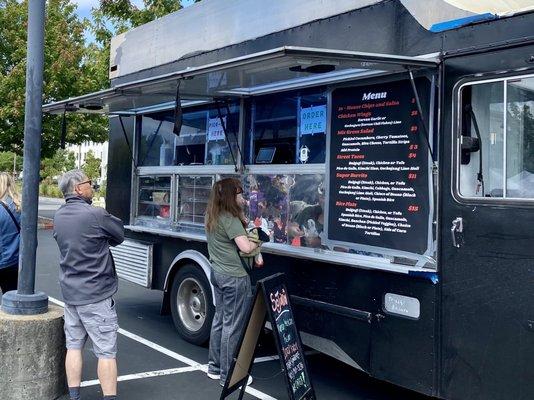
(88, 281)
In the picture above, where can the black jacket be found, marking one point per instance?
(84, 234)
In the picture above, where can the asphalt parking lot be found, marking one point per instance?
(154, 363)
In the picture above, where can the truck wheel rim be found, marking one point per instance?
(191, 304)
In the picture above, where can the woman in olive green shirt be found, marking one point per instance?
(225, 229)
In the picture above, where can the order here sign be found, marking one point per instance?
(312, 120)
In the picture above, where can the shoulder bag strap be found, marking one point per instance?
(11, 215)
(243, 262)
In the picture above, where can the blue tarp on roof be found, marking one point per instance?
(456, 23)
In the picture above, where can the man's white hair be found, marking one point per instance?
(69, 180)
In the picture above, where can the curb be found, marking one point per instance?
(45, 223)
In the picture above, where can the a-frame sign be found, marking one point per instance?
(271, 301)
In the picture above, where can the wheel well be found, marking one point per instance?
(173, 270)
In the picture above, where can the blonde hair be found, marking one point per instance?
(8, 189)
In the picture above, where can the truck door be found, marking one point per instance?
(487, 232)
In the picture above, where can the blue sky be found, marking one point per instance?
(84, 7)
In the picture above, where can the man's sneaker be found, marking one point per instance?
(214, 376)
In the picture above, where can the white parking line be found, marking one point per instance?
(193, 365)
(161, 349)
(264, 359)
(170, 371)
(142, 375)
(275, 357)
(57, 302)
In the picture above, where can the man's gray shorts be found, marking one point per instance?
(98, 321)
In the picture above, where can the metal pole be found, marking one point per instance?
(24, 300)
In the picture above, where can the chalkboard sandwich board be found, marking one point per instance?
(271, 301)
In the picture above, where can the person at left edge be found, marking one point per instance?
(88, 281)
(9, 233)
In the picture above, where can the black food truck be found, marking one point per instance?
(387, 149)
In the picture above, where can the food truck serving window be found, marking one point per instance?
(289, 207)
(173, 202)
(362, 188)
(375, 198)
(192, 194)
(201, 140)
(287, 128)
(154, 201)
(495, 139)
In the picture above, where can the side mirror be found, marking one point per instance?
(468, 145)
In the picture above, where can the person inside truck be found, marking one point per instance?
(308, 222)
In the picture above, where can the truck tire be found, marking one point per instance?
(192, 304)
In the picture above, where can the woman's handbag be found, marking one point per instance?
(248, 260)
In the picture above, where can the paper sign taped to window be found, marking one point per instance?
(215, 129)
(312, 120)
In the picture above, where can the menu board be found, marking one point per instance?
(290, 348)
(378, 168)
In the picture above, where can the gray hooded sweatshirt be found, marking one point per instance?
(83, 234)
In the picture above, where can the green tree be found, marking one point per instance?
(102, 188)
(92, 165)
(124, 15)
(69, 71)
(7, 158)
(70, 162)
(521, 122)
(113, 17)
(61, 161)
(72, 67)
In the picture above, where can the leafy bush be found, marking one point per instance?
(43, 189)
(102, 189)
(49, 190)
(54, 191)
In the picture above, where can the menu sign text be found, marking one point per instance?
(378, 189)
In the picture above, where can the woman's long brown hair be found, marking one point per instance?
(223, 200)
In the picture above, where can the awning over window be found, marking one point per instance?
(260, 73)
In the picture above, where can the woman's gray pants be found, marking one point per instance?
(232, 299)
